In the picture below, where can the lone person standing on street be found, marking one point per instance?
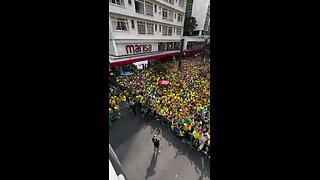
(156, 143)
(133, 107)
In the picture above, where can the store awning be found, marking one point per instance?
(124, 61)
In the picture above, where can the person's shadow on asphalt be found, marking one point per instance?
(151, 171)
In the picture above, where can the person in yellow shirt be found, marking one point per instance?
(208, 149)
(113, 103)
(196, 135)
(186, 128)
(172, 124)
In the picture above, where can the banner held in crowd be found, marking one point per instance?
(163, 82)
(126, 73)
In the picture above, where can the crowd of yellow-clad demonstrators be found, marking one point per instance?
(183, 104)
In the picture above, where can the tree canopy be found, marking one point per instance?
(160, 68)
(190, 23)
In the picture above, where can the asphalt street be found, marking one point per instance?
(131, 137)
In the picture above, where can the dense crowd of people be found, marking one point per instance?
(183, 104)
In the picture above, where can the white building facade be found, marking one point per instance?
(142, 29)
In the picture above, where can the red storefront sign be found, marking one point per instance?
(131, 49)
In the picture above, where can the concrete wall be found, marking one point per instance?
(191, 39)
(133, 32)
(132, 37)
(128, 12)
(112, 49)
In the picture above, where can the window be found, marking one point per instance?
(149, 28)
(164, 13)
(155, 8)
(149, 8)
(176, 45)
(180, 17)
(141, 27)
(171, 1)
(167, 14)
(139, 5)
(132, 24)
(119, 24)
(129, 1)
(161, 46)
(160, 28)
(170, 46)
(118, 2)
(179, 31)
(164, 31)
(169, 31)
(170, 15)
(144, 7)
(181, 3)
(155, 27)
(175, 15)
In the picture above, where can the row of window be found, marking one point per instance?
(195, 45)
(181, 2)
(168, 46)
(121, 2)
(145, 7)
(121, 24)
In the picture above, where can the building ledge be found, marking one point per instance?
(118, 61)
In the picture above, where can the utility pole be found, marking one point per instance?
(181, 51)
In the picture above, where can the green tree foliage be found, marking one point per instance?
(160, 68)
(190, 23)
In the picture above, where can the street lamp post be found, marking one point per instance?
(181, 51)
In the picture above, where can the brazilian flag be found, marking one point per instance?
(110, 116)
(207, 120)
(200, 111)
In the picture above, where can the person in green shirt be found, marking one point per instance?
(189, 120)
(143, 112)
(110, 119)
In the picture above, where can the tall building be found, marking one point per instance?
(144, 29)
(200, 9)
